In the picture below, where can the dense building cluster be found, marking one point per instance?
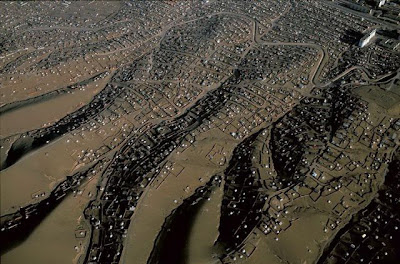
(298, 99)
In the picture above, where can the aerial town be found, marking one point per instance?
(200, 132)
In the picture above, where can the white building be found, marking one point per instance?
(367, 38)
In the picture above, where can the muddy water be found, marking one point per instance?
(39, 172)
(40, 113)
(189, 233)
(204, 231)
(54, 241)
